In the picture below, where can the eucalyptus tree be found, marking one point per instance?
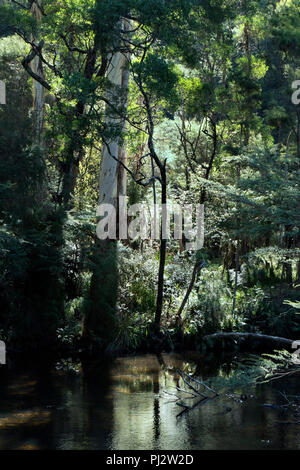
(152, 25)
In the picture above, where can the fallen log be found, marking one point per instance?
(276, 340)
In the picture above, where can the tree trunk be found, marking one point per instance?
(197, 266)
(163, 249)
(298, 272)
(298, 131)
(236, 274)
(113, 175)
(190, 288)
(100, 317)
(38, 89)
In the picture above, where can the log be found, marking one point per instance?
(251, 336)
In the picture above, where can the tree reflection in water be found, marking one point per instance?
(119, 404)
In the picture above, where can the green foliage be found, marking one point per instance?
(31, 291)
(254, 370)
(214, 80)
(16, 20)
(157, 77)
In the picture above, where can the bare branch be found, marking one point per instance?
(140, 182)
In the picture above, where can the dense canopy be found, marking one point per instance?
(174, 102)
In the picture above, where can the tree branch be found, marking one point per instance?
(25, 63)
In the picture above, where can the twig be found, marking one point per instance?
(186, 391)
(204, 385)
(192, 407)
(189, 385)
(283, 394)
(173, 394)
(179, 403)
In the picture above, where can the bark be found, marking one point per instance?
(237, 266)
(298, 272)
(212, 158)
(287, 272)
(196, 268)
(298, 131)
(162, 257)
(112, 174)
(75, 151)
(161, 165)
(38, 88)
(100, 318)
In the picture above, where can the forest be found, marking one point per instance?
(179, 102)
(174, 102)
(149, 224)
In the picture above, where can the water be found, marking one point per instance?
(120, 404)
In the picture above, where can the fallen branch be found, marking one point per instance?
(253, 336)
(187, 408)
(288, 422)
(179, 403)
(203, 385)
(190, 386)
(186, 391)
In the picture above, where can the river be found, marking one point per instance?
(120, 404)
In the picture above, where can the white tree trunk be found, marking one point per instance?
(112, 175)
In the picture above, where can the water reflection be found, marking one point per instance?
(119, 404)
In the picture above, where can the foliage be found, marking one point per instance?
(210, 97)
(254, 370)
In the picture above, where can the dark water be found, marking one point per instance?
(120, 405)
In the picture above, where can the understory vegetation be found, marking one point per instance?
(206, 118)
